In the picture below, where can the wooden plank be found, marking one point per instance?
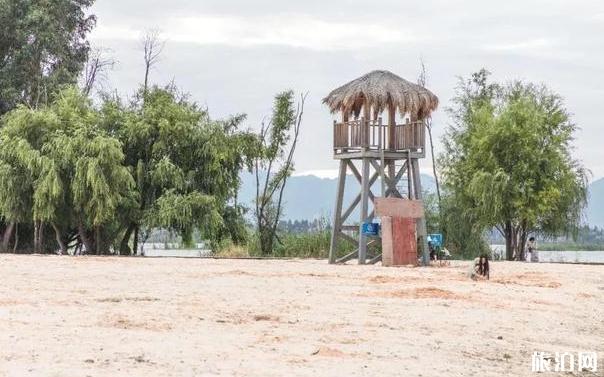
(364, 210)
(354, 171)
(351, 208)
(399, 246)
(348, 238)
(348, 257)
(387, 244)
(404, 244)
(421, 222)
(357, 199)
(399, 208)
(337, 219)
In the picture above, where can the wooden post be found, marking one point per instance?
(399, 247)
(364, 211)
(421, 223)
(410, 187)
(391, 125)
(337, 215)
(365, 123)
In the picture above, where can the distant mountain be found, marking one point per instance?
(595, 207)
(309, 197)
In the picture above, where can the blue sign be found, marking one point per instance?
(436, 239)
(370, 229)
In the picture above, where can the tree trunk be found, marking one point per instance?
(85, 239)
(36, 235)
(125, 244)
(509, 251)
(135, 243)
(266, 239)
(523, 234)
(8, 232)
(16, 238)
(59, 238)
(429, 127)
(515, 243)
(97, 240)
(41, 238)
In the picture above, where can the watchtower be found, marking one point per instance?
(369, 149)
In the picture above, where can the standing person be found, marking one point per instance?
(531, 250)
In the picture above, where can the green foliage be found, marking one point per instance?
(274, 165)
(300, 245)
(42, 47)
(180, 157)
(94, 175)
(508, 164)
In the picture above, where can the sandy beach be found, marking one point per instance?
(95, 316)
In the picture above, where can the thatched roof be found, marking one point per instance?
(380, 89)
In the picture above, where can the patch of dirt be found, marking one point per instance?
(120, 299)
(529, 279)
(418, 293)
(124, 323)
(9, 302)
(266, 317)
(109, 299)
(141, 359)
(381, 279)
(585, 295)
(328, 352)
(542, 302)
(236, 272)
(145, 299)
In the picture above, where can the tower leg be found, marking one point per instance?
(364, 211)
(337, 215)
(421, 222)
(391, 174)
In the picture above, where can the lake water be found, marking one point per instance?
(548, 256)
(545, 256)
(167, 250)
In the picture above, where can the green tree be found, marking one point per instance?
(275, 165)
(60, 169)
(42, 47)
(508, 161)
(22, 137)
(181, 158)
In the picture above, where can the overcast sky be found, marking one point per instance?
(233, 56)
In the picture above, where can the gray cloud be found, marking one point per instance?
(247, 51)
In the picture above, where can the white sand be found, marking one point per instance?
(86, 316)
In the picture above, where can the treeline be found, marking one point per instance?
(98, 177)
(320, 224)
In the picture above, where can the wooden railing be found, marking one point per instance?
(358, 134)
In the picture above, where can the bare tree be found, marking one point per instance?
(276, 163)
(97, 66)
(153, 46)
(422, 79)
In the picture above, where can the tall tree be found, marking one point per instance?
(275, 165)
(43, 46)
(180, 158)
(508, 161)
